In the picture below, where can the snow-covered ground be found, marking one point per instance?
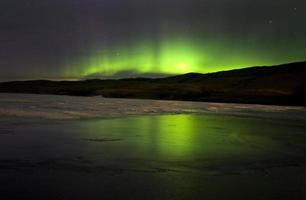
(69, 107)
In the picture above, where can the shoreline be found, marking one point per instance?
(57, 107)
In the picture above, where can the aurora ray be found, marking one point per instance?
(88, 38)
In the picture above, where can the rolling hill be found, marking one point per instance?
(281, 84)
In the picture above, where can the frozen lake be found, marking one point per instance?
(59, 147)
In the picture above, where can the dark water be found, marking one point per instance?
(153, 157)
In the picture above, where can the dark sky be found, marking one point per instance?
(62, 39)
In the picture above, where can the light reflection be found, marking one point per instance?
(176, 137)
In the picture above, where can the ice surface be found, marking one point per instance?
(207, 151)
(69, 107)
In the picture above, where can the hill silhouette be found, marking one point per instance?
(282, 84)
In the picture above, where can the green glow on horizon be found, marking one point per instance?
(166, 56)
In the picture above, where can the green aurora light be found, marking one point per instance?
(168, 56)
(88, 39)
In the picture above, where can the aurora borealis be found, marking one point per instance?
(75, 39)
(168, 57)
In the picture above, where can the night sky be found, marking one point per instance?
(72, 39)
